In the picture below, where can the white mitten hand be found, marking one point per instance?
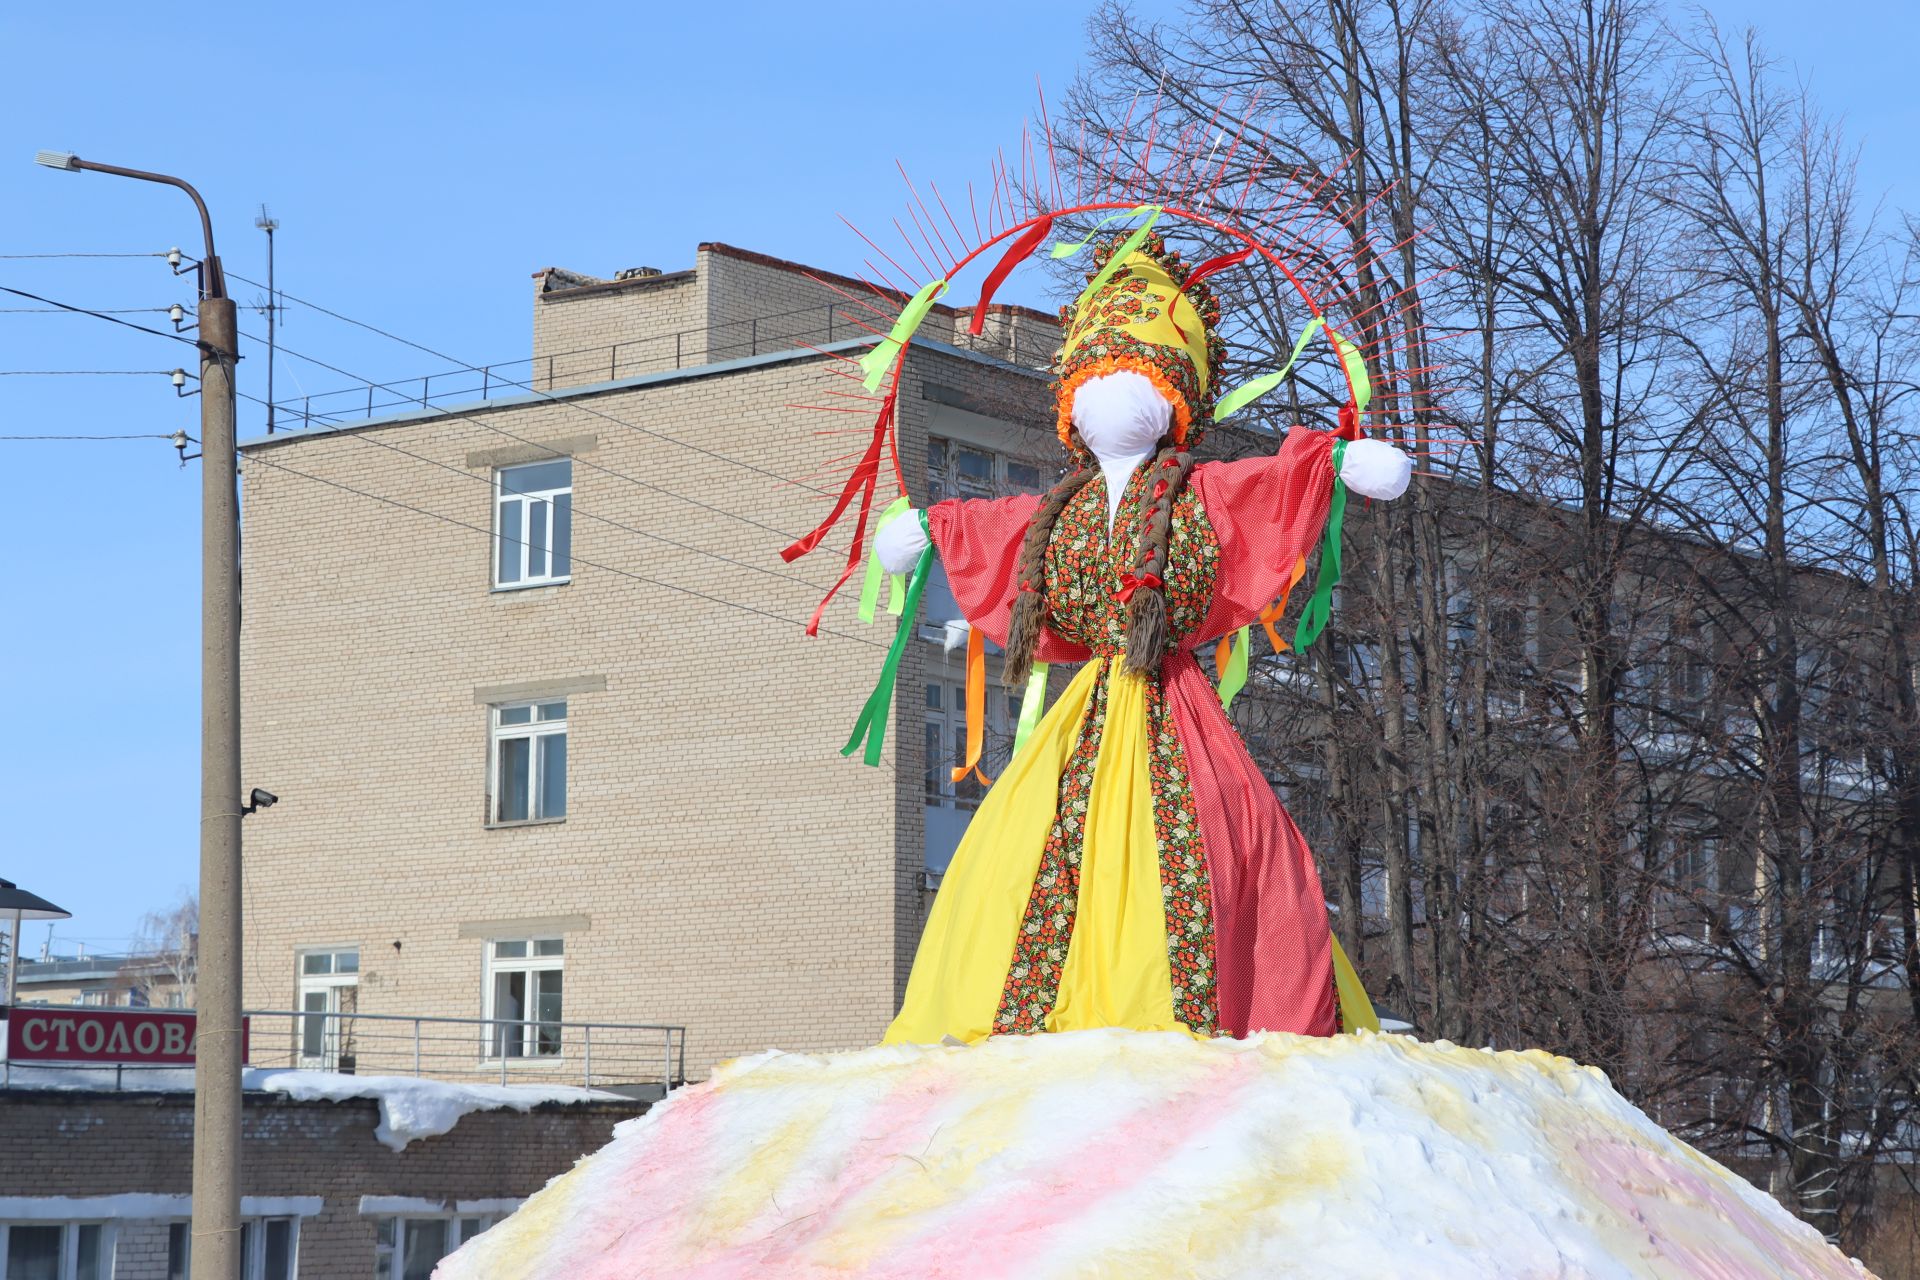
(1375, 469)
(899, 544)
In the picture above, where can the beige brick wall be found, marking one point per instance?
(736, 875)
(602, 332)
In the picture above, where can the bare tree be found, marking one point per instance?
(166, 952)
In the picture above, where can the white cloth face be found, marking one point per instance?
(1122, 417)
(1375, 469)
(899, 544)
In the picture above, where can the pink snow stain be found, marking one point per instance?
(677, 1195)
(1000, 1230)
(1643, 1186)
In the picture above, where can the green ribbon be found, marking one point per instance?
(877, 361)
(1313, 618)
(1356, 372)
(871, 727)
(1233, 677)
(1247, 392)
(870, 587)
(1032, 704)
(1127, 246)
(1065, 250)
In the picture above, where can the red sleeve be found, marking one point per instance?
(979, 544)
(1266, 513)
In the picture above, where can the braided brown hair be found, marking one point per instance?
(1147, 604)
(1029, 605)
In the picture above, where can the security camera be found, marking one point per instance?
(258, 799)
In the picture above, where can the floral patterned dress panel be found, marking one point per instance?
(1083, 568)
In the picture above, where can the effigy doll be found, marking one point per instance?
(1132, 867)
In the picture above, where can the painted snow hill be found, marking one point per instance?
(1115, 1153)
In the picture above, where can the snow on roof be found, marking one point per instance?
(410, 1108)
(1149, 1154)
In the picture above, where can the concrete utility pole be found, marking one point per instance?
(218, 1058)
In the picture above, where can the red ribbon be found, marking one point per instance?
(1022, 247)
(1130, 584)
(862, 482)
(1220, 263)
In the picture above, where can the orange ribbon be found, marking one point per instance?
(1272, 613)
(976, 707)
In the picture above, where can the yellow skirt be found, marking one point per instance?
(1116, 972)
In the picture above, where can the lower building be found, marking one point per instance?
(340, 1177)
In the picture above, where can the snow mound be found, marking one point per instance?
(1115, 1153)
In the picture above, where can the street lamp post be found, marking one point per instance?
(216, 1249)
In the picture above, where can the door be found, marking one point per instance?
(329, 987)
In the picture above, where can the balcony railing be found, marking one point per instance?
(621, 1056)
(596, 1054)
(689, 348)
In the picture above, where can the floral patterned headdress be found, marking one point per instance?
(1150, 314)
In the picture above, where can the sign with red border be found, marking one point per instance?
(47, 1033)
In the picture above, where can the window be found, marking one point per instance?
(56, 1250)
(529, 767)
(408, 1248)
(533, 531)
(329, 987)
(946, 743)
(956, 470)
(268, 1249)
(523, 997)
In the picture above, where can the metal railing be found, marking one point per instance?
(598, 1055)
(688, 348)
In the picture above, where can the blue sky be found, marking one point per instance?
(423, 162)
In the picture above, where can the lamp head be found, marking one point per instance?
(58, 160)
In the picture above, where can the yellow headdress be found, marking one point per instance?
(1147, 317)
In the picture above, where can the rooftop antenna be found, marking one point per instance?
(270, 308)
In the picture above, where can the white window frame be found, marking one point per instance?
(390, 1254)
(950, 718)
(943, 471)
(534, 729)
(69, 1243)
(253, 1257)
(530, 963)
(527, 501)
(329, 986)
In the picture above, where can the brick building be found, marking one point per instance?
(529, 677)
(97, 1183)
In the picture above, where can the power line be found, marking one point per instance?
(501, 431)
(490, 534)
(578, 510)
(103, 311)
(110, 319)
(524, 386)
(85, 373)
(43, 256)
(146, 436)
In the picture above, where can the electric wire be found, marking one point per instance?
(45, 256)
(100, 315)
(85, 373)
(524, 386)
(144, 436)
(577, 509)
(501, 431)
(255, 458)
(102, 311)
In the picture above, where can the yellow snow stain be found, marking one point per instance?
(1215, 1223)
(947, 1171)
(752, 1192)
